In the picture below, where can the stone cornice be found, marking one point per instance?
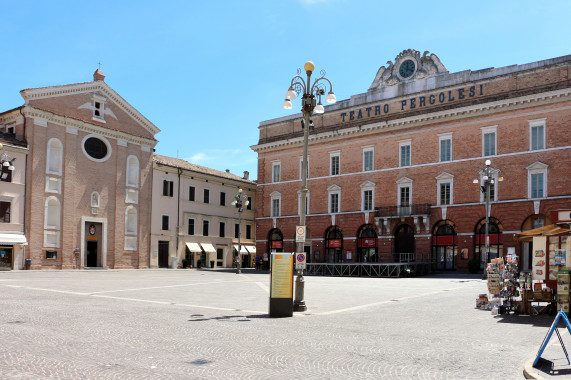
(80, 125)
(80, 88)
(405, 122)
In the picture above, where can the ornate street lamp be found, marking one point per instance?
(6, 162)
(240, 200)
(310, 103)
(486, 174)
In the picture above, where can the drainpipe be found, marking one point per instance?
(179, 170)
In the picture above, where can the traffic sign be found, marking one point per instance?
(300, 234)
(300, 260)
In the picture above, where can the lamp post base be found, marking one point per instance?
(299, 302)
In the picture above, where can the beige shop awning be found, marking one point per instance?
(208, 248)
(243, 251)
(193, 247)
(251, 249)
(11, 239)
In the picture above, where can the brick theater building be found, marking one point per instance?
(395, 173)
(88, 177)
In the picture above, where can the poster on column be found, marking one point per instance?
(539, 264)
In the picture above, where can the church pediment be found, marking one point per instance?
(408, 65)
(92, 102)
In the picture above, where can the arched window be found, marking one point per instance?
(275, 240)
(495, 237)
(444, 242)
(367, 244)
(333, 245)
(54, 157)
(52, 213)
(132, 171)
(131, 221)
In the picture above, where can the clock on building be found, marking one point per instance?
(407, 68)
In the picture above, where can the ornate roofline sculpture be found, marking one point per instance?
(418, 68)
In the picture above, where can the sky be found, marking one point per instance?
(206, 73)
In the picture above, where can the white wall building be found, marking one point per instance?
(193, 218)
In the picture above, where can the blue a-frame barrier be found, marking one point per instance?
(553, 327)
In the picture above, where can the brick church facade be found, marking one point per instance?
(88, 177)
(395, 173)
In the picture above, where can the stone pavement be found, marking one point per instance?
(199, 324)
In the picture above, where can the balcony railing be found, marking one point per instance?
(402, 211)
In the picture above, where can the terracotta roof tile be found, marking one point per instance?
(179, 163)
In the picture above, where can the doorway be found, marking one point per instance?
(404, 243)
(91, 254)
(163, 254)
(6, 257)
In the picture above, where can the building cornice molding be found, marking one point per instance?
(87, 87)
(454, 113)
(83, 126)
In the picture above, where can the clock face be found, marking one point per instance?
(406, 68)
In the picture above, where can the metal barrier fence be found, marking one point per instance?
(367, 269)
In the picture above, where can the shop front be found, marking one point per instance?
(12, 252)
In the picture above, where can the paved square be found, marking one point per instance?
(198, 324)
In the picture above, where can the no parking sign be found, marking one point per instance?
(300, 260)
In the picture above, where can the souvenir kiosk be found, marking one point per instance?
(551, 265)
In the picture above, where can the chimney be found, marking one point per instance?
(246, 175)
(98, 76)
(227, 170)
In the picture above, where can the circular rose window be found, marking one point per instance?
(96, 148)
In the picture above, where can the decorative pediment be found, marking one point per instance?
(444, 176)
(334, 188)
(404, 180)
(537, 165)
(275, 194)
(408, 65)
(367, 184)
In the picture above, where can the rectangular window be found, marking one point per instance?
(236, 230)
(191, 226)
(275, 207)
(222, 229)
(368, 160)
(5, 212)
(249, 207)
(537, 185)
(206, 196)
(333, 203)
(191, 193)
(248, 231)
(165, 224)
(51, 255)
(205, 224)
(405, 196)
(445, 193)
(490, 144)
(276, 172)
(367, 200)
(222, 198)
(445, 150)
(537, 137)
(219, 253)
(5, 174)
(335, 164)
(492, 192)
(168, 188)
(405, 154)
